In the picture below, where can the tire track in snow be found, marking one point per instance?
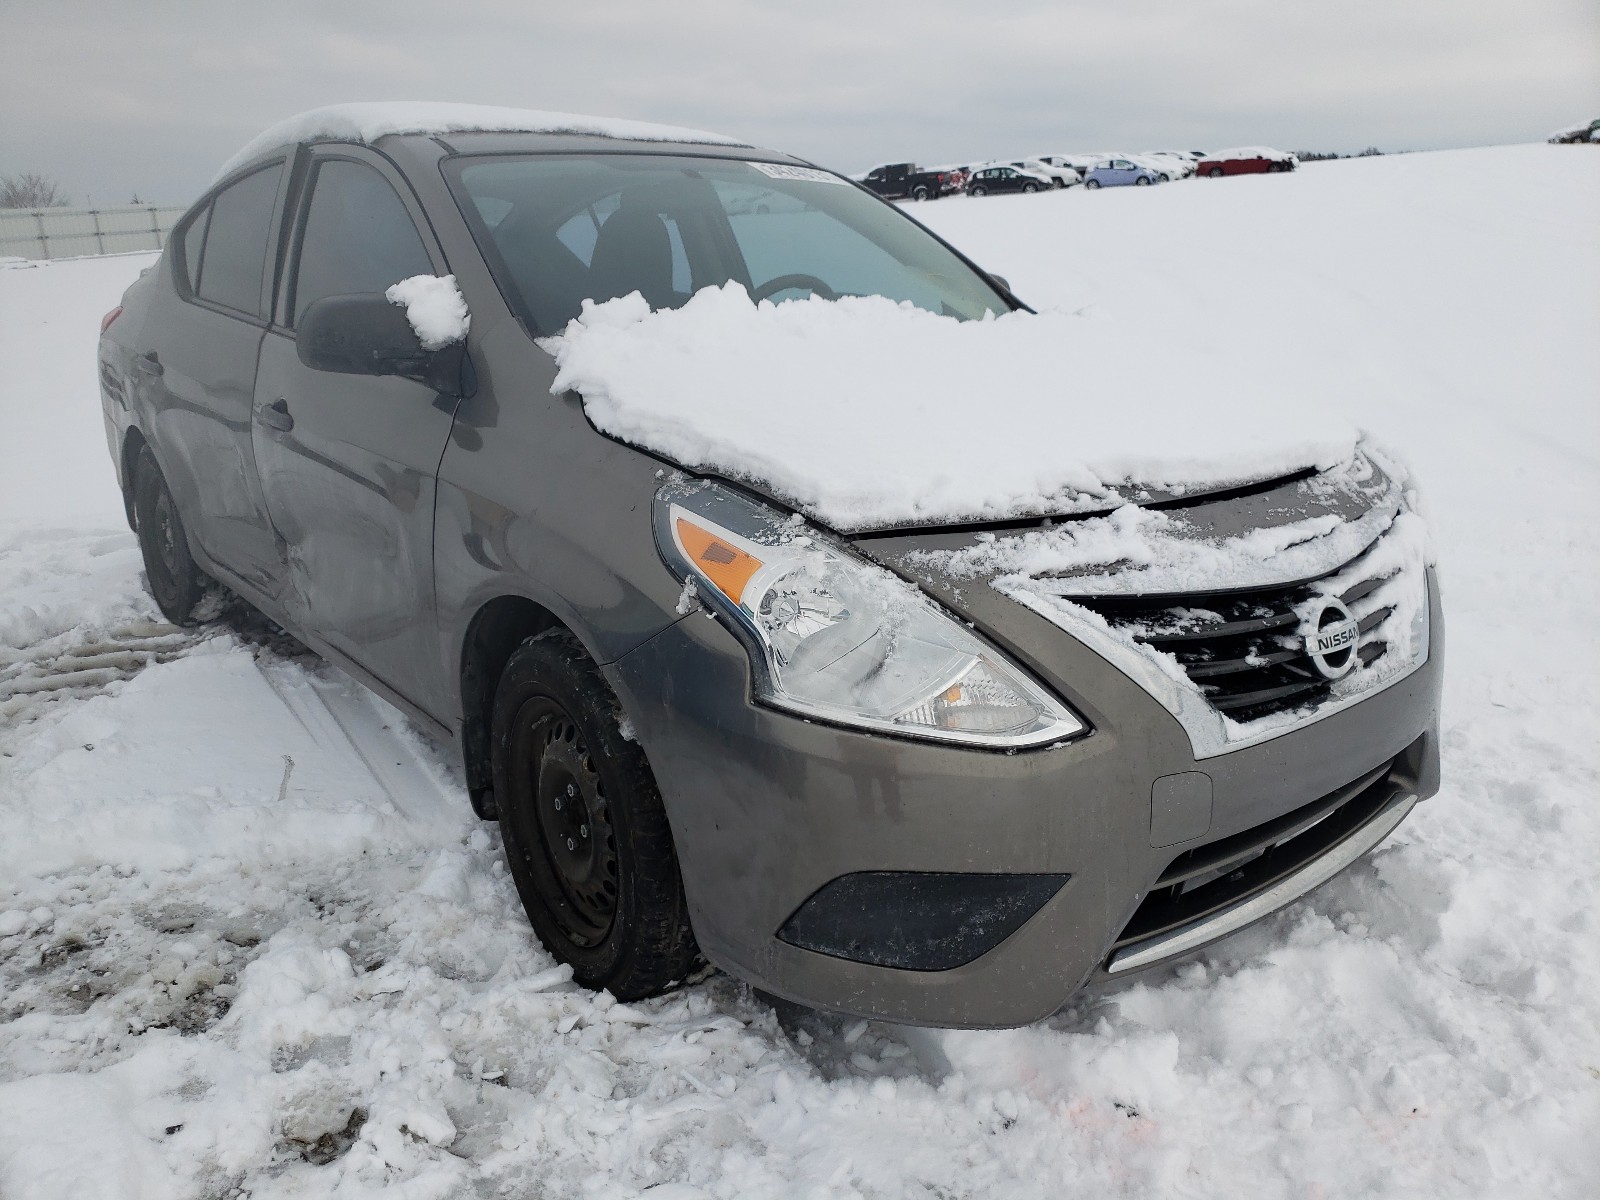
(345, 722)
(84, 663)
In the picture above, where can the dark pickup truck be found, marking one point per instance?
(899, 181)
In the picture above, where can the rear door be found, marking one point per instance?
(348, 462)
(199, 355)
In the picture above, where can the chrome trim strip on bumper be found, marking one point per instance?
(1288, 889)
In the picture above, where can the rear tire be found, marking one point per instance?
(174, 582)
(920, 193)
(585, 832)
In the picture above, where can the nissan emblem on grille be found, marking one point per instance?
(1330, 637)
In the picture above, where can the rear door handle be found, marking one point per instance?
(276, 416)
(150, 364)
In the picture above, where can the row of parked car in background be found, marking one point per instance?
(1047, 172)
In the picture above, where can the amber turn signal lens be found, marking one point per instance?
(729, 567)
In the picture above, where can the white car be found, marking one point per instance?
(1179, 162)
(1074, 162)
(1062, 177)
(1166, 168)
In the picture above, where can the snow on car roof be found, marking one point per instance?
(1250, 152)
(367, 122)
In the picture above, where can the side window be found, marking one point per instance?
(235, 255)
(194, 240)
(358, 236)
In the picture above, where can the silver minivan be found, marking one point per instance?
(1023, 799)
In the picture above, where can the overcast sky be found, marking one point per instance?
(112, 97)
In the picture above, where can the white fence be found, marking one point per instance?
(68, 232)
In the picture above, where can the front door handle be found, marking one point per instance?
(276, 416)
(150, 364)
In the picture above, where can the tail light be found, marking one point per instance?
(105, 321)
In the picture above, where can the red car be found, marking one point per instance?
(1245, 160)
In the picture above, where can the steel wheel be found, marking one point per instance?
(175, 582)
(585, 831)
(570, 827)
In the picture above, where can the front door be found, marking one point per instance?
(348, 462)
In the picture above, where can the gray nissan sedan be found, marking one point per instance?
(1010, 808)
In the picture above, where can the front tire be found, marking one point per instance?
(980, 190)
(585, 832)
(175, 582)
(1215, 172)
(1142, 181)
(1091, 183)
(1030, 187)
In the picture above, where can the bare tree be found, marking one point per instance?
(31, 191)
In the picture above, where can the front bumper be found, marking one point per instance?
(768, 809)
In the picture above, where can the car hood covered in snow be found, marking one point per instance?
(864, 414)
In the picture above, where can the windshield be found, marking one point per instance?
(559, 230)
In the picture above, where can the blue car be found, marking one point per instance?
(1115, 172)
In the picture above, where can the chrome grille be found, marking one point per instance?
(1244, 649)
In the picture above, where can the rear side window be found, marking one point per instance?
(358, 236)
(235, 255)
(194, 240)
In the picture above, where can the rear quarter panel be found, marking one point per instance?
(120, 380)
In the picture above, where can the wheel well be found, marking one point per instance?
(497, 629)
(131, 445)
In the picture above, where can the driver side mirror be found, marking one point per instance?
(365, 334)
(1001, 282)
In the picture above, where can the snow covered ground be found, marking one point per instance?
(253, 944)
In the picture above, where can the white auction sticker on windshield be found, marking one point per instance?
(785, 171)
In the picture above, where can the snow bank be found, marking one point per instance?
(862, 412)
(59, 472)
(435, 307)
(370, 121)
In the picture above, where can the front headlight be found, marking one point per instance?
(841, 639)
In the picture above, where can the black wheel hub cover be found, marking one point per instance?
(571, 823)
